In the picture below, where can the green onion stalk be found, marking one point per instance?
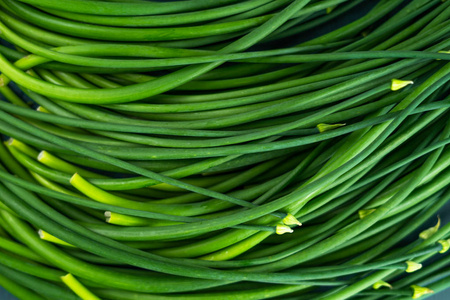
(286, 149)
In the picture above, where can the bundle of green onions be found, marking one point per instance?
(173, 150)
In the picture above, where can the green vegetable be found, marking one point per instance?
(224, 149)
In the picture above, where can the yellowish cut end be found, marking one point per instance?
(56, 163)
(75, 179)
(78, 288)
(419, 291)
(22, 147)
(108, 217)
(322, 127)
(125, 220)
(291, 220)
(51, 238)
(397, 84)
(282, 229)
(427, 233)
(445, 245)
(119, 219)
(42, 109)
(412, 266)
(95, 193)
(379, 284)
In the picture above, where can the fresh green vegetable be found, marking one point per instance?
(254, 149)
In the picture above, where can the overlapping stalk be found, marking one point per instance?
(168, 150)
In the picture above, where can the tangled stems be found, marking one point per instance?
(177, 165)
(126, 8)
(405, 110)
